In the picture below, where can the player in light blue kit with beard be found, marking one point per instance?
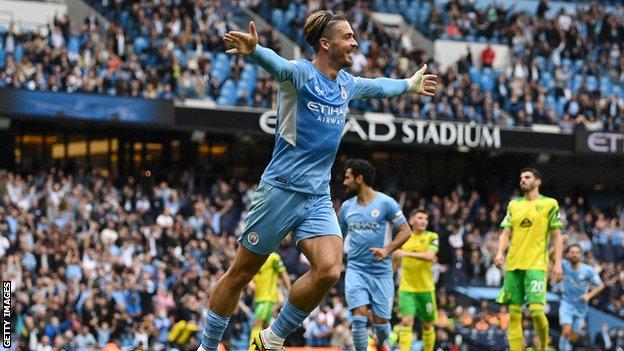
(577, 277)
(369, 220)
(293, 195)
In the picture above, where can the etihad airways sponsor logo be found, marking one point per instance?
(364, 226)
(327, 110)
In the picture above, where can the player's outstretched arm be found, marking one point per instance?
(420, 83)
(247, 44)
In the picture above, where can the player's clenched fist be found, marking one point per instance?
(499, 260)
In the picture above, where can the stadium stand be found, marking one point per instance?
(94, 260)
(163, 51)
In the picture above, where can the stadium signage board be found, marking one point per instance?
(600, 143)
(90, 107)
(385, 128)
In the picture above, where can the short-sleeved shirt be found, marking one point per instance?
(576, 283)
(417, 274)
(531, 223)
(267, 278)
(311, 118)
(367, 226)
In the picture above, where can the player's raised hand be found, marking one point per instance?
(241, 43)
(379, 252)
(424, 84)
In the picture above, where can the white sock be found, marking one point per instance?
(271, 341)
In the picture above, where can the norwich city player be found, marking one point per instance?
(266, 294)
(530, 222)
(416, 288)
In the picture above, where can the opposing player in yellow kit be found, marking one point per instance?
(416, 287)
(530, 223)
(266, 293)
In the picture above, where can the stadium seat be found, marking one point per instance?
(592, 83)
(19, 52)
(475, 75)
(560, 105)
(487, 82)
(575, 83)
(140, 44)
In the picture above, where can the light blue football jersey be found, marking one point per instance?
(369, 226)
(576, 283)
(311, 117)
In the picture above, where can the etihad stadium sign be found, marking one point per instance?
(600, 143)
(386, 128)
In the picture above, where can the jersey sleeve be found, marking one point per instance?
(595, 277)
(434, 243)
(377, 88)
(282, 69)
(506, 223)
(342, 220)
(278, 265)
(554, 217)
(394, 214)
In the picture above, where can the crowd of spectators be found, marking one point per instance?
(127, 264)
(153, 50)
(566, 70)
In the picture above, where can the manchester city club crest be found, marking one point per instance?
(343, 93)
(375, 213)
(253, 238)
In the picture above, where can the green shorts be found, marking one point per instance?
(419, 304)
(263, 310)
(523, 287)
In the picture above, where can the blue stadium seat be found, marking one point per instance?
(222, 57)
(2, 58)
(575, 83)
(277, 19)
(566, 62)
(73, 45)
(140, 44)
(560, 105)
(592, 83)
(541, 62)
(475, 75)
(19, 52)
(403, 6)
(487, 82)
(551, 101)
